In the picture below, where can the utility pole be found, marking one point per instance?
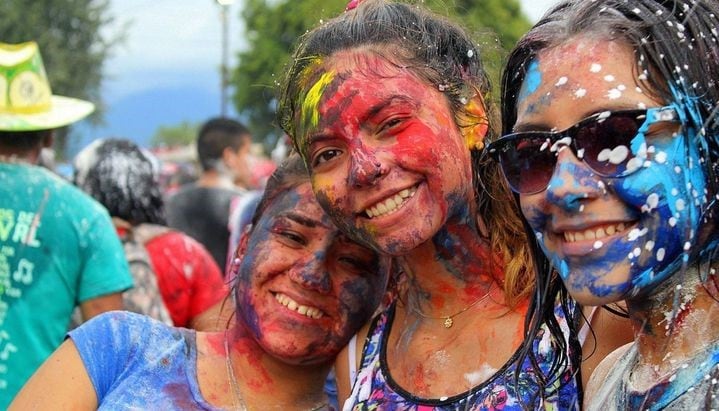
(224, 80)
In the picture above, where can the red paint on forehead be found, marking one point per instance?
(363, 81)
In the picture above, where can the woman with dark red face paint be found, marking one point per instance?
(387, 104)
(302, 289)
(612, 147)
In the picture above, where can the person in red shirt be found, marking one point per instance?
(123, 177)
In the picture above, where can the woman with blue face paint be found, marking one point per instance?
(612, 145)
(302, 289)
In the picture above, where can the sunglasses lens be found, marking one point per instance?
(606, 144)
(528, 163)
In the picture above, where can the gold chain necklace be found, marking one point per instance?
(449, 319)
(237, 402)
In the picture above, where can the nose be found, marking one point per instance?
(572, 182)
(365, 168)
(311, 273)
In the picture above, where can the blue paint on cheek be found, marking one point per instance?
(532, 80)
(675, 187)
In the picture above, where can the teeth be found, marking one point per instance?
(390, 204)
(288, 302)
(593, 234)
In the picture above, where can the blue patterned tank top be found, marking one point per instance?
(374, 388)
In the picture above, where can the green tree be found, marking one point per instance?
(71, 42)
(274, 27)
(182, 134)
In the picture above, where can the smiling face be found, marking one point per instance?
(610, 238)
(304, 289)
(386, 157)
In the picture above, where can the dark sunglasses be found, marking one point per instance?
(604, 142)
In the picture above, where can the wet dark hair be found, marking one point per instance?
(215, 136)
(675, 45)
(119, 175)
(441, 53)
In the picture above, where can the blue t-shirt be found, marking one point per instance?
(135, 362)
(58, 248)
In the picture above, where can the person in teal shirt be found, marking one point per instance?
(58, 248)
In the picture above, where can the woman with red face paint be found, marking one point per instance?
(387, 104)
(302, 289)
(612, 146)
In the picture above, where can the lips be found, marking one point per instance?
(391, 203)
(287, 301)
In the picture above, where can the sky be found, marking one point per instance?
(177, 44)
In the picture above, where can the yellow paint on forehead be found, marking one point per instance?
(310, 105)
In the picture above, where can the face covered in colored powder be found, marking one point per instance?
(610, 237)
(386, 157)
(304, 289)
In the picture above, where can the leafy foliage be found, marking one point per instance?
(182, 134)
(274, 27)
(71, 43)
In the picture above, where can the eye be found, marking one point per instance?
(355, 264)
(392, 123)
(292, 238)
(325, 156)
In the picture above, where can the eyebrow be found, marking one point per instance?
(300, 219)
(374, 110)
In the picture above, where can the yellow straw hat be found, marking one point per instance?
(26, 101)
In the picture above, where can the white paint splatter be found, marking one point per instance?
(672, 221)
(649, 246)
(598, 244)
(482, 374)
(580, 93)
(562, 80)
(609, 77)
(636, 233)
(595, 68)
(614, 156)
(660, 254)
(614, 94)
(651, 204)
(680, 204)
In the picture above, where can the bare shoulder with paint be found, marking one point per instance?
(599, 376)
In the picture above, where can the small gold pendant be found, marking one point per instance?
(448, 322)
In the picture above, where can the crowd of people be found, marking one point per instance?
(418, 248)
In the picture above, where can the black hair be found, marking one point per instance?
(123, 178)
(215, 136)
(22, 142)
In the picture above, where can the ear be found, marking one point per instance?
(234, 265)
(474, 123)
(228, 156)
(48, 139)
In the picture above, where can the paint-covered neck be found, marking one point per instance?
(456, 265)
(678, 320)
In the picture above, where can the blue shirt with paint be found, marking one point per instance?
(135, 362)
